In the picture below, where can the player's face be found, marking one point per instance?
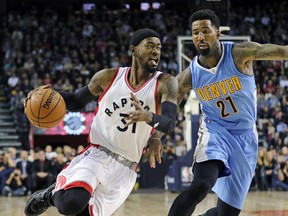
(204, 36)
(149, 51)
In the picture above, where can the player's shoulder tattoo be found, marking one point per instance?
(246, 45)
(245, 50)
(168, 84)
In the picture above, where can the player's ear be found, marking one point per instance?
(218, 34)
(133, 50)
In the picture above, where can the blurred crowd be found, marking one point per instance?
(24, 173)
(44, 47)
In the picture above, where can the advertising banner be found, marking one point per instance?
(74, 123)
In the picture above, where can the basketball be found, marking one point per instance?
(45, 108)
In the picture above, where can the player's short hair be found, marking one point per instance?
(205, 14)
(141, 34)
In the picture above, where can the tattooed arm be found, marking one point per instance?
(184, 83)
(246, 52)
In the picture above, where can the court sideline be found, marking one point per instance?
(157, 203)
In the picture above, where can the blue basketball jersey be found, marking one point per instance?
(227, 131)
(226, 95)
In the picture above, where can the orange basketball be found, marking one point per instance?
(46, 108)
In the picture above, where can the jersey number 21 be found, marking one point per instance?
(221, 104)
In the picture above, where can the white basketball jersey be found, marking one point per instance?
(107, 128)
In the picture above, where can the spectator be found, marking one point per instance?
(23, 126)
(283, 172)
(49, 152)
(25, 167)
(13, 81)
(80, 148)
(270, 88)
(273, 101)
(6, 168)
(58, 165)
(14, 185)
(180, 145)
(281, 177)
(259, 169)
(268, 171)
(47, 79)
(29, 64)
(59, 150)
(58, 86)
(42, 176)
(282, 127)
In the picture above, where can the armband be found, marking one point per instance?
(77, 101)
(166, 121)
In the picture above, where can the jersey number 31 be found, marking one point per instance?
(123, 129)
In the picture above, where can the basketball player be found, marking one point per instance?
(133, 102)
(226, 153)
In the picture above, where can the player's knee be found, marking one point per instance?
(73, 201)
(226, 209)
(202, 187)
(72, 207)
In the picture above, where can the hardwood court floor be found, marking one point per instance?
(157, 203)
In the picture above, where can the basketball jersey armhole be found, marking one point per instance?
(111, 82)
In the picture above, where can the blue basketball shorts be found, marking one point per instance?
(238, 150)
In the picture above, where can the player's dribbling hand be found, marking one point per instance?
(155, 151)
(32, 91)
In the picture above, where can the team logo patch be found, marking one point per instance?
(61, 180)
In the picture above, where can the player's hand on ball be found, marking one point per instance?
(45, 107)
(32, 91)
(155, 151)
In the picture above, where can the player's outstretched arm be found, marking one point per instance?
(249, 51)
(184, 83)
